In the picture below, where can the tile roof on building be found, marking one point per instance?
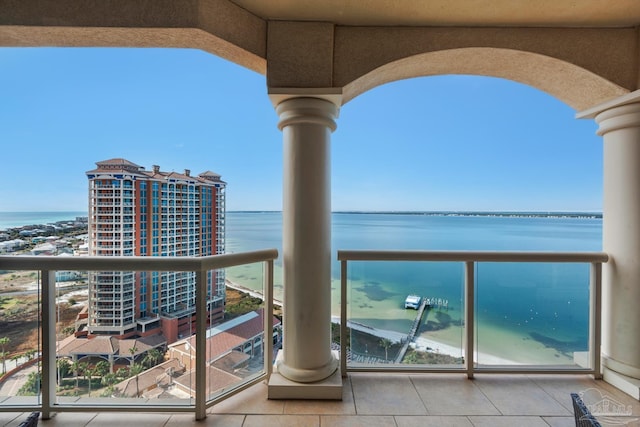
(117, 165)
(158, 375)
(229, 335)
(117, 161)
(101, 345)
(126, 166)
(216, 379)
(104, 345)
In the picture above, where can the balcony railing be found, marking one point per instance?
(204, 394)
(469, 341)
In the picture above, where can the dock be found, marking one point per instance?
(413, 331)
(424, 305)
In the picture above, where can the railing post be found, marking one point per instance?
(343, 318)
(268, 318)
(201, 344)
(595, 318)
(48, 327)
(469, 305)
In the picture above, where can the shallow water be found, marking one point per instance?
(526, 312)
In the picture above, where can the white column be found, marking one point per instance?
(306, 124)
(619, 125)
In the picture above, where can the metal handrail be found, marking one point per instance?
(470, 259)
(48, 265)
(474, 256)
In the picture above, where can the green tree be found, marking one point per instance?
(3, 343)
(109, 379)
(152, 357)
(30, 353)
(385, 343)
(15, 358)
(78, 369)
(133, 350)
(3, 356)
(32, 386)
(88, 375)
(102, 368)
(136, 370)
(64, 367)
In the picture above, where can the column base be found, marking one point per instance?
(329, 388)
(630, 386)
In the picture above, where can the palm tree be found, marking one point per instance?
(108, 380)
(133, 350)
(83, 367)
(30, 353)
(385, 343)
(136, 369)
(3, 342)
(152, 357)
(63, 369)
(77, 367)
(3, 356)
(88, 373)
(15, 358)
(102, 368)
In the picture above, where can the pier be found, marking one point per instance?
(424, 305)
(413, 331)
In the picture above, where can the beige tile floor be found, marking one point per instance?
(398, 400)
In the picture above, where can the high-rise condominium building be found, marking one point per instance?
(133, 211)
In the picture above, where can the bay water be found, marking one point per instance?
(19, 219)
(527, 313)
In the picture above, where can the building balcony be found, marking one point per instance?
(388, 391)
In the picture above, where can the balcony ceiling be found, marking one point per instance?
(486, 13)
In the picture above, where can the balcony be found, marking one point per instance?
(392, 392)
(358, 49)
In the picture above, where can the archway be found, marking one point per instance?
(570, 83)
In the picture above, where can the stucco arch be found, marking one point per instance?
(574, 85)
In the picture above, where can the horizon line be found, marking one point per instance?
(365, 211)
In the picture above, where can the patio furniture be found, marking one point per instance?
(582, 415)
(31, 421)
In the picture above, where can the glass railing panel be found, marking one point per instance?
(113, 341)
(249, 278)
(106, 338)
(532, 314)
(387, 327)
(20, 343)
(235, 336)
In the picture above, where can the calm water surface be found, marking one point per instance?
(522, 308)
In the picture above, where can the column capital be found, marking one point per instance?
(311, 110)
(331, 94)
(619, 113)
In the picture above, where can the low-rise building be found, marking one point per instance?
(11, 245)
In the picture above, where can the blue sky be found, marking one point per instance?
(430, 143)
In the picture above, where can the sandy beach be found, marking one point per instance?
(425, 344)
(233, 285)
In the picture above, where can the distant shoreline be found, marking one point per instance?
(509, 214)
(581, 214)
(13, 224)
